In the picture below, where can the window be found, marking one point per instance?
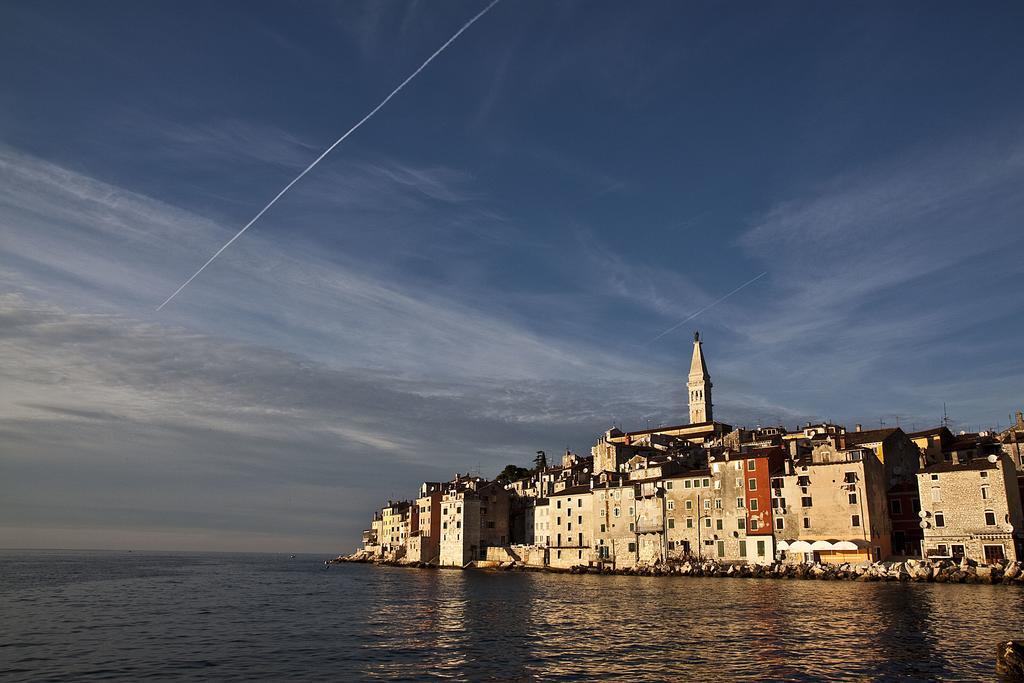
(741, 523)
(940, 520)
(743, 548)
(707, 503)
(604, 512)
(895, 506)
(721, 548)
(854, 520)
(718, 503)
(739, 503)
(777, 483)
(632, 547)
(751, 465)
(852, 498)
(569, 527)
(714, 468)
(780, 523)
(935, 477)
(984, 493)
(990, 518)
(984, 475)
(458, 525)
(706, 482)
(753, 504)
(737, 464)
(631, 512)
(850, 477)
(602, 528)
(671, 523)
(707, 522)
(760, 548)
(739, 482)
(668, 486)
(444, 525)
(936, 495)
(579, 520)
(631, 526)
(671, 505)
(942, 549)
(719, 524)
(615, 512)
(805, 501)
(559, 505)
(807, 522)
(558, 520)
(689, 522)
(751, 484)
(718, 484)
(689, 505)
(686, 484)
(755, 524)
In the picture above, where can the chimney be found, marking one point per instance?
(859, 428)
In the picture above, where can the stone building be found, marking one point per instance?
(1012, 440)
(424, 544)
(613, 515)
(474, 516)
(833, 507)
(899, 455)
(972, 509)
(395, 527)
(570, 537)
(699, 385)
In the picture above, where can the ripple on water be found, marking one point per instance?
(232, 617)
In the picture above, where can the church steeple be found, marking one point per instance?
(699, 385)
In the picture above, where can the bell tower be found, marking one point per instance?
(699, 385)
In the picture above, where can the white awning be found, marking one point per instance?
(800, 547)
(857, 544)
(783, 545)
(822, 545)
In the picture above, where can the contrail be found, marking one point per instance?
(327, 151)
(711, 305)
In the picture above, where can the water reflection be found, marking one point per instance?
(235, 617)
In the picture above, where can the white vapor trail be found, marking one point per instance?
(710, 305)
(327, 151)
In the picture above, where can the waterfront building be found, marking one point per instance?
(613, 511)
(904, 506)
(475, 516)
(424, 543)
(570, 538)
(972, 509)
(899, 455)
(395, 519)
(833, 507)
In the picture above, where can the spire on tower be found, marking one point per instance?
(699, 384)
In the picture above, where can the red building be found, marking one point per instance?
(904, 504)
(761, 464)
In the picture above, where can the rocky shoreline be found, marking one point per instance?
(914, 571)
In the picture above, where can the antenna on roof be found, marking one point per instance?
(945, 416)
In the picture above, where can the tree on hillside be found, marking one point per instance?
(540, 463)
(512, 473)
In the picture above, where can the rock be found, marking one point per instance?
(1012, 570)
(1010, 660)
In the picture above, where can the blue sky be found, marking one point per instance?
(480, 270)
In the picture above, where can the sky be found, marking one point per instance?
(484, 268)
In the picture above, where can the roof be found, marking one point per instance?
(572, 490)
(870, 436)
(934, 431)
(976, 464)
